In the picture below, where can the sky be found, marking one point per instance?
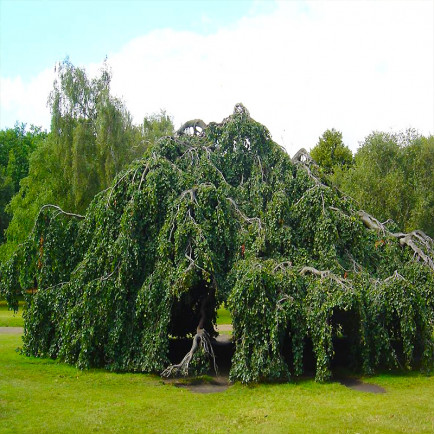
(300, 67)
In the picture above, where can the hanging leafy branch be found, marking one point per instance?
(223, 214)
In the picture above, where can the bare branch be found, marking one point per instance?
(323, 274)
(417, 240)
(245, 218)
(198, 126)
(302, 156)
(396, 275)
(284, 265)
(78, 216)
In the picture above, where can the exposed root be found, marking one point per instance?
(201, 339)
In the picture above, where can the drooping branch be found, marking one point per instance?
(420, 243)
(244, 217)
(78, 216)
(323, 274)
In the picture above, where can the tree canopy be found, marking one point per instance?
(92, 138)
(16, 146)
(331, 153)
(393, 178)
(224, 215)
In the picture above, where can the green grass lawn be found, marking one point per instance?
(8, 317)
(43, 396)
(223, 316)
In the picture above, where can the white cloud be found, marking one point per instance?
(302, 68)
(25, 102)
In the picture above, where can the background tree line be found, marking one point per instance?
(92, 137)
(391, 175)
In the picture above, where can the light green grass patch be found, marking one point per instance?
(41, 395)
(8, 317)
(223, 316)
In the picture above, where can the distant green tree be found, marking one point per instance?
(16, 146)
(90, 129)
(393, 178)
(40, 187)
(156, 126)
(92, 138)
(330, 152)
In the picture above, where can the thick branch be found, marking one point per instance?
(302, 156)
(417, 240)
(413, 240)
(282, 265)
(198, 126)
(370, 221)
(308, 269)
(324, 274)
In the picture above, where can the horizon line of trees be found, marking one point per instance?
(391, 175)
(92, 138)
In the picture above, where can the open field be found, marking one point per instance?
(41, 395)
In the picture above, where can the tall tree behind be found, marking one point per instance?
(92, 131)
(393, 178)
(92, 138)
(330, 152)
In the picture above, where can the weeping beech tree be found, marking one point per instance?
(221, 214)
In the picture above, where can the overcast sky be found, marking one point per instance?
(300, 67)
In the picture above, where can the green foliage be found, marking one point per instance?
(393, 178)
(224, 216)
(92, 138)
(331, 153)
(16, 146)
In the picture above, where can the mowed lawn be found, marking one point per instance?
(8, 317)
(41, 395)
